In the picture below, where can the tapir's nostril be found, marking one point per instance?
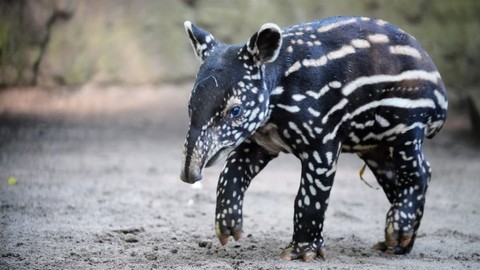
(190, 177)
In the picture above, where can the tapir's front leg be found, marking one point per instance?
(318, 171)
(243, 163)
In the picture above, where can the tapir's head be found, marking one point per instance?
(229, 100)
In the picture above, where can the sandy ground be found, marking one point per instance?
(98, 188)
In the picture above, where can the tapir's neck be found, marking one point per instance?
(274, 73)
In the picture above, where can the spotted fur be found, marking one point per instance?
(342, 84)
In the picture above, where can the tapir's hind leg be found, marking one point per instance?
(382, 166)
(403, 173)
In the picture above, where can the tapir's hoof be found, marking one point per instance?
(224, 235)
(306, 254)
(396, 245)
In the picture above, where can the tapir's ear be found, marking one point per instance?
(266, 43)
(202, 41)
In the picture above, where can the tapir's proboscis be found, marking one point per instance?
(342, 84)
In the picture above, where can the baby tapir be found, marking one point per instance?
(342, 84)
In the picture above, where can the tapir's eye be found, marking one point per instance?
(236, 111)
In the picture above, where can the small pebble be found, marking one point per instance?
(205, 244)
(152, 256)
(130, 238)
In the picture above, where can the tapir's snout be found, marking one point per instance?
(195, 151)
(190, 176)
(200, 150)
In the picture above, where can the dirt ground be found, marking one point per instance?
(98, 187)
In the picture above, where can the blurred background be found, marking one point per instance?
(69, 43)
(66, 43)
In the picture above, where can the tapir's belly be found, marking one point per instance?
(269, 139)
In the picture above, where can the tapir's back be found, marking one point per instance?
(358, 72)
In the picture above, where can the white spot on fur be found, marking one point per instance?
(378, 38)
(298, 97)
(329, 155)
(288, 108)
(321, 186)
(442, 101)
(334, 25)
(382, 121)
(375, 79)
(306, 200)
(335, 84)
(340, 53)
(295, 67)
(277, 91)
(316, 156)
(405, 50)
(320, 93)
(313, 112)
(335, 108)
(295, 128)
(360, 43)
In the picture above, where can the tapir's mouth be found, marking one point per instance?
(217, 156)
